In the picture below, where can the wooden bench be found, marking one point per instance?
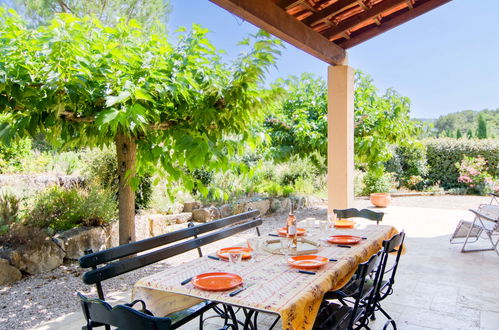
(122, 259)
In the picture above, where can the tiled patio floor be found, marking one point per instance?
(437, 287)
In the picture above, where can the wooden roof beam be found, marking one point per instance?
(287, 4)
(270, 17)
(329, 11)
(371, 13)
(390, 22)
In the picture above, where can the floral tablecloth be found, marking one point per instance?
(276, 287)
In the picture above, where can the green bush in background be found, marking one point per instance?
(9, 209)
(377, 181)
(11, 156)
(409, 165)
(443, 154)
(103, 170)
(61, 209)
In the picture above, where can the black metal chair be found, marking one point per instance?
(385, 275)
(123, 259)
(364, 213)
(348, 314)
(99, 313)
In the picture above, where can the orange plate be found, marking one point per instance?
(344, 239)
(307, 262)
(217, 281)
(344, 224)
(300, 231)
(224, 253)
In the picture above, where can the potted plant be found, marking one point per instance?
(377, 185)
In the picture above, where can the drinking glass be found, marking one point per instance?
(331, 218)
(254, 244)
(285, 246)
(235, 258)
(310, 225)
(324, 226)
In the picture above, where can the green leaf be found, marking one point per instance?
(141, 94)
(107, 116)
(120, 98)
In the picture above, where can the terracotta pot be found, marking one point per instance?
(381, 199)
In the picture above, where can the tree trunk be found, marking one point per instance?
(126, 151)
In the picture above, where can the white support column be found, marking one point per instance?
(340, 137)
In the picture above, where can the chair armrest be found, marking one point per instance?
(483, 216)
(494, 195)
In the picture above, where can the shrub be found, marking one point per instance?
(296, 168)
(270, 188)
(9, 209)
(103, 170)
(203, 176)
(409, 165)
(377, 181)
(11, 156)
(67, 162)
(443, 154)
(304, 186)
(358, 182)
(60, 209)
(473, 174)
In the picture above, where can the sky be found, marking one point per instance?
(445, 61)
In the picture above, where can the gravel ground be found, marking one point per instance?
(44, 297)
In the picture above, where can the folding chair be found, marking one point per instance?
(495, 199)
(486, 222)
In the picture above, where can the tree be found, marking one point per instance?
(299, 124)
(458, 134)
(481, 131)
(380, 121)
(173, 107)
(107, 11)
(467, 119)
(469, 134)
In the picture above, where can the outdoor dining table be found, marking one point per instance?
(272, 285)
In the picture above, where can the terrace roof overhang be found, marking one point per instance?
(326, 28)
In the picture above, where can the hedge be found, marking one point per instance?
(442, 155)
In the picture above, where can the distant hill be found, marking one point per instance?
(448, 125)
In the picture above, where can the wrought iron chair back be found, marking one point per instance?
(362, 272)
(99, 313)
(355, 213)
(335, 316)
(384, 287)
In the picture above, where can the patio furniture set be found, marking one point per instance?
(341, 287)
